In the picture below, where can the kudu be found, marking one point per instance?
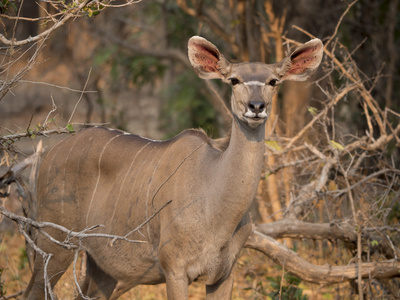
(108, 177)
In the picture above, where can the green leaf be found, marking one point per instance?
(312, 110)
(336, 145)
(274, 145)
(374, 243)
(70, 128)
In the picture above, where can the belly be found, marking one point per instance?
(128, 263)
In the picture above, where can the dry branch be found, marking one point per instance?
(325, 274)
(350, 177)
(345, 231)
(292, 228)
(65, 17)
(75, 234)
(65, 12)
(17, 136)
(336, 169)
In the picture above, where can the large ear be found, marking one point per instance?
(302, 63)
(206, 59)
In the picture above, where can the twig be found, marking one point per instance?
(334, 101)
(359, 232)
(45, 33)
(16, 136)
(12, 296)
(20, 18)
(367, 178)
(48, 288)
(128, 2)
(46, 257)
(53, 109)
(80, 98)
(56, 86)
(144, 223)
(340, 22)
(70, 234)
(76, 279)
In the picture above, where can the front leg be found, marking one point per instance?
(177, 286)
(221, 290)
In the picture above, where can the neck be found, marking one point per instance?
(238, 173)
(252, 134)
(244, 156)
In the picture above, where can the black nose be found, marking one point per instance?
(256, 107)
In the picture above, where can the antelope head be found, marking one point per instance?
(253, 84)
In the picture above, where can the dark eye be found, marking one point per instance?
(234, 81)
(273, 82)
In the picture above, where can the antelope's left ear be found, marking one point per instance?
(206, 59)
(302, 62)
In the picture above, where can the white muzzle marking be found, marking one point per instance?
(261, 115)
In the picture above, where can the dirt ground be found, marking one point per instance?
(254, 278)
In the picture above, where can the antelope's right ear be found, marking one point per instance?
(206, 59)
(302, 63)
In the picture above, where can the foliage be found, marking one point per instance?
(136, 69)
(179, 25)
(23, 258)
(339, 167)
(7, 7)
(184, 105)
(286, 289)
(278, 287)
(142, 69)
(2, 287)
(187, 106)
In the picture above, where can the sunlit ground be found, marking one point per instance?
(256, 277)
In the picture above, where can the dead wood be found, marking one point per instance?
(325, 274)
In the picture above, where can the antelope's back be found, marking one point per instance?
(108, 177)
(83, 178)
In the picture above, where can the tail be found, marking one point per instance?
(26, 190)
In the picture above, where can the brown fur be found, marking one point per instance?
(118, 180)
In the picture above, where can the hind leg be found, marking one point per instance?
(97, 283)
(58, 264)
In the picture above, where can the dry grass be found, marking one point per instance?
(252, 277)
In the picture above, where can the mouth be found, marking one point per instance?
(254, 121)
(255, 117)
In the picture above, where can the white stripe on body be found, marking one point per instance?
(98, 177)
(65, 176)
(123, 182)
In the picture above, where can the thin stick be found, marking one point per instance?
(76, 279)
(81, 96)
(340, 22)
(45, 33)
(56, 86)
(333, 102)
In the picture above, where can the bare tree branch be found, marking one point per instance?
(319, 274)
(74, 234)
(65, 17)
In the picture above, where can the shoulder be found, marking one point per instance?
(200, 136)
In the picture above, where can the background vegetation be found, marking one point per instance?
(329, 192)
